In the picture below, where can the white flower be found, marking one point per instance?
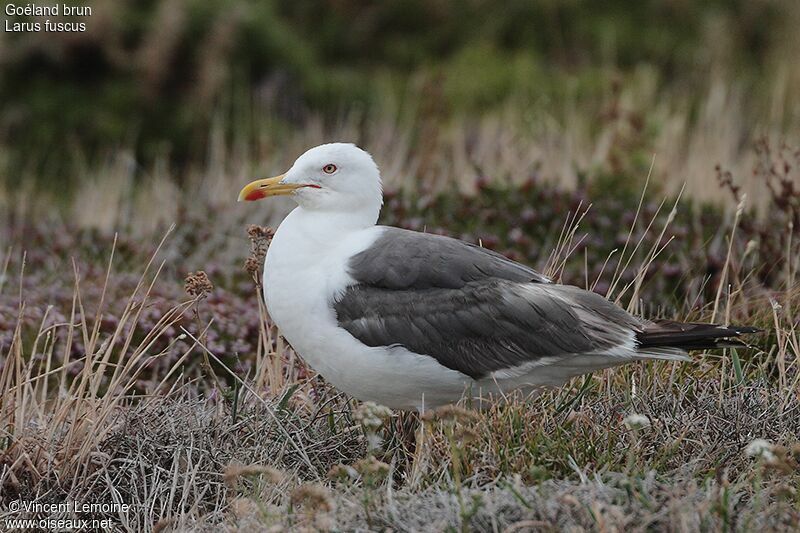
(636, 421)
(760, 449)
(374, 441)
(372, 416)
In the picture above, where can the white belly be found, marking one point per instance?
(393, 376)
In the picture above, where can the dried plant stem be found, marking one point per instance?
(724, 276)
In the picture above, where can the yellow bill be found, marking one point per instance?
(263, 188)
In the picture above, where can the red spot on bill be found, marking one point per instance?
(255, 194)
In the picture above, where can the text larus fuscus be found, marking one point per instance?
(412, 320)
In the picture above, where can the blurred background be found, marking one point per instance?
(563, 87)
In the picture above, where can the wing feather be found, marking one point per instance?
(478, 312)
(472, 309)
(486, 325)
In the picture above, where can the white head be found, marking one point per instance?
(336, 177)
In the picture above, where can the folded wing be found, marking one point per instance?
(478, 312)
(473, 310)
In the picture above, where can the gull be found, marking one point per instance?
(414, 321)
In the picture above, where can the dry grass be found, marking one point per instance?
(258, 454)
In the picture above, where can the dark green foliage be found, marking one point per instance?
(153, 75)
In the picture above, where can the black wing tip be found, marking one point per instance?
(693, 336)
(744, 330)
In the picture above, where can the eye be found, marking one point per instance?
(330, 168)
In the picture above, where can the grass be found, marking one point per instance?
(129, 376)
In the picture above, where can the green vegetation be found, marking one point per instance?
(153, 77)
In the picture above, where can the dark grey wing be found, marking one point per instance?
(485, 325)
(402, 259)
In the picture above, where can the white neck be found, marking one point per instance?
(326, 225)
